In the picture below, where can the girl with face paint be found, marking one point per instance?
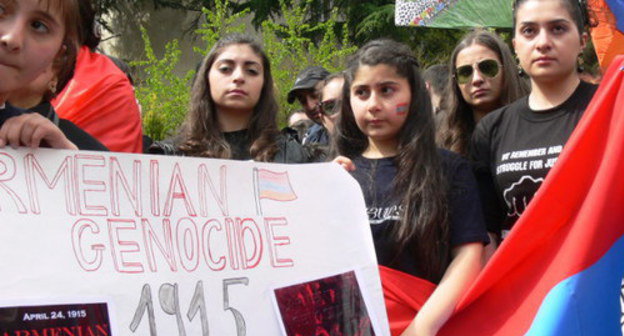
(422, 202)
(514, 147)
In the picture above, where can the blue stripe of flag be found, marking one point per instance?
(587, 303)
(275, 187)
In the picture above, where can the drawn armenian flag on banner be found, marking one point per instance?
(273, 186)
(453, 13)
(608, 35)
(560, 270)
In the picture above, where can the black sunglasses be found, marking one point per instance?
(489, 68)
(330, 107)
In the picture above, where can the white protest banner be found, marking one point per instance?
(119, 244)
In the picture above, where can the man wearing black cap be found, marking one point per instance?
(305, 91)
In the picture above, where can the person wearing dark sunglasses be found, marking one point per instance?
(330, 95)
(331, 100)
(329, 106)
(479, 78)
(482, 78)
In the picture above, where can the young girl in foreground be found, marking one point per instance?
(33, 35)
(514, 147)
(422, 202)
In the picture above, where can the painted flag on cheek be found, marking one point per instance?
(401, 109)
(560, 270)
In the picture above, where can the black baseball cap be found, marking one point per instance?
(306, 80)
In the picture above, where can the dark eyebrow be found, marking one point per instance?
(227, 60)
(549, 22)
(224, 60)
(376, 84)
(559, 21)
(388, 83)
(47, 17)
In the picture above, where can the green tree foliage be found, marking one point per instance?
(219, 22)
(164, 97)
(371, 18)
(290, 50)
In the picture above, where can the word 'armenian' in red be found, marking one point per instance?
(73, 182)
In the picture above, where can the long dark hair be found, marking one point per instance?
(419, 183)
(64, 64)
(89, 33)
(459, 123)
(201, 135)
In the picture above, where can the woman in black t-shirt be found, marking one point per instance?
(515, 146)
(233, 109)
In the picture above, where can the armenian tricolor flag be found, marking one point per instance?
(560, 270)
(274, 185)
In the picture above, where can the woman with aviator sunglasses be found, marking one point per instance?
(483, 78)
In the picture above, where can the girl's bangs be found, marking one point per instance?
(69, 12)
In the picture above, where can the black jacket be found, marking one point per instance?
(290, 151)
(75, 134)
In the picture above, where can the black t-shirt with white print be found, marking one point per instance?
(376, 176)
(514, 148)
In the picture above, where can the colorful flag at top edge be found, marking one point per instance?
(453, 13)
(560, 270)
(274, 185)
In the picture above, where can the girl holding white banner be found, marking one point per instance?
(33, 35)
(233, 109)
(422, 202)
